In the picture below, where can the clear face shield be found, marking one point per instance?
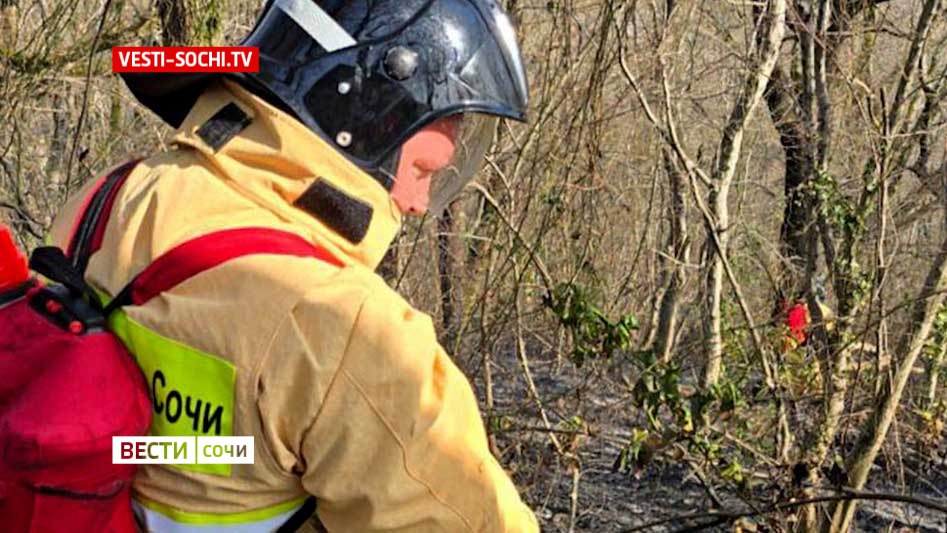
(473, 138)
(440, 159)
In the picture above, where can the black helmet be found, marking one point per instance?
(368, 74)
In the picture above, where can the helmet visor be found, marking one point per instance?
(472, 137)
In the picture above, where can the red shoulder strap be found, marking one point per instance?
(203, 253)
(183, 261)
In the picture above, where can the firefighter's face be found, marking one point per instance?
(428, 151)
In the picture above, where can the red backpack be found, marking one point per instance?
(68, 385)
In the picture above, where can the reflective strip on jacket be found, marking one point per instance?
(341, 383)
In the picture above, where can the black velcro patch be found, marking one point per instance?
(223, 126)
(347, 216)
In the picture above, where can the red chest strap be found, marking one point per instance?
(208, 251)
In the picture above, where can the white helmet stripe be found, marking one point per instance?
(317, 23)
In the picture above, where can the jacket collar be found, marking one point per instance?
(275, 160)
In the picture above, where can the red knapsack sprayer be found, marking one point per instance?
(67, 386)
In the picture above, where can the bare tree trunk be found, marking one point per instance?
(678, 248)
(834, 361)
(714, 325)
(798, 211)
(769, 29)
(175, 22)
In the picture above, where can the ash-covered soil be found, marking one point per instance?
(610, 501)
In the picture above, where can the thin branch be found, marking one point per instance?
(85, 96)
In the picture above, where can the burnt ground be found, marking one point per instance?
(609, 501)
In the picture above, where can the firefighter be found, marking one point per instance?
(797, 324)
(363, 111)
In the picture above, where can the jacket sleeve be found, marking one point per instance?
(398, 443)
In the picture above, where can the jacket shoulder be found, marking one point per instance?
(140, 178)
(386, 313)
(352, 319)
(371, 302)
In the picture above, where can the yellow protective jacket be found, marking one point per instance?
(340, 382)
